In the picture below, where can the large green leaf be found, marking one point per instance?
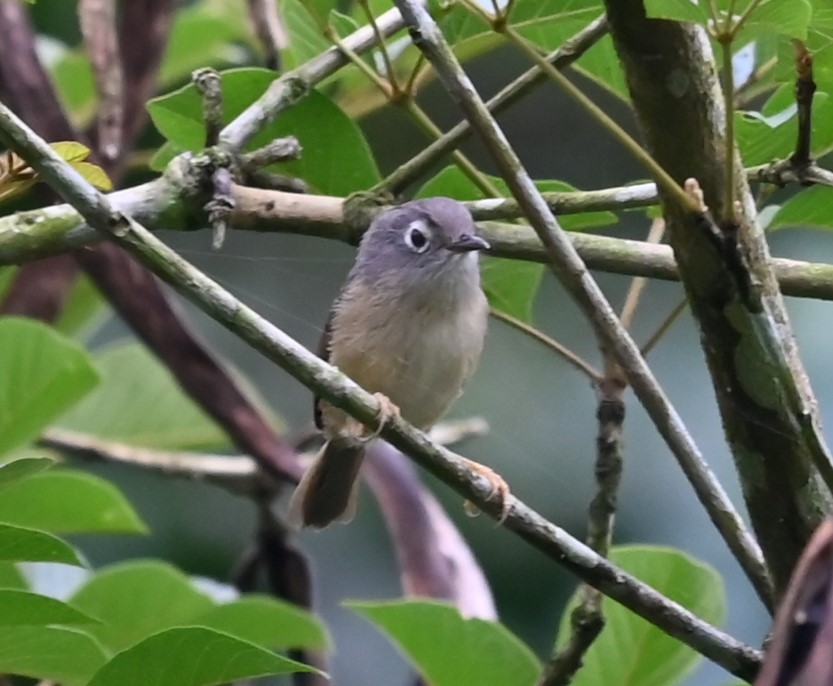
(192, 656)
(266, 621)
(41, 375)
(768, 16)
(63, 501)
(63, 655)
(449, 650)
(304, 23)
(811, 207)
(137, 599)
(336, 158)
(203, 36)
(22, 608)
(14, 471)
(632, 652)
(19, 544)
(10, 577)
(140, 403)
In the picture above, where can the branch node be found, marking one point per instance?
(207, 81)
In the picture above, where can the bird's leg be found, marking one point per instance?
(387, 411)
(500, 489)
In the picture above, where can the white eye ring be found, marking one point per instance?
(417, 237)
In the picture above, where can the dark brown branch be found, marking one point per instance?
(98, 26)
(269, 26)
(144, 29)
(39, 288)
(805, 87)
(433, 558)
(138, 297)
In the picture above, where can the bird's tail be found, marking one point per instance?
(327, 492)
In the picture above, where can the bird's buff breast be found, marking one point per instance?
(419, 353)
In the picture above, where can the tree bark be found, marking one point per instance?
(768, 409)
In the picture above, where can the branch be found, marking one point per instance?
(341, 392)
(769, 412)
(238, 474)
(572, 272)
(561, 58)
(292, 86)
(166, 204)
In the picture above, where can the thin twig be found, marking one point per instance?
(586, 618)
(805, 87)
(565, 55)
(292, 86)
(572, 272)
(340, 391)
(666, 324)
(573, 359)
(638, 284)
(662, 177)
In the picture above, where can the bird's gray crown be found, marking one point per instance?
(420, 237)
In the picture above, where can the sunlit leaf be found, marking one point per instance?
(449, 650)
(632, 652)
(192, 656)
(64, 501)
(62, 655)
(20, 544)
(43, 374)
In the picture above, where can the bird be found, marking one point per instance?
(409, 326)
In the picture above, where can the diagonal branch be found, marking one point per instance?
(769, 412)
(339, 390)
(573, 274)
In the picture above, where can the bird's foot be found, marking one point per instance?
(387, 411)
(500, 489)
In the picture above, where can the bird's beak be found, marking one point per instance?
(468, 242)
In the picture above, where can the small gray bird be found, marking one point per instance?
(409, 326)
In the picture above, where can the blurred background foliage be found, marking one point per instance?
(540, 411)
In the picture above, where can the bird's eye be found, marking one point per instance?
(416, 237)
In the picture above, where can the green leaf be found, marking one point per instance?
(22, 608)
(306, 37)
(632, 652)
(63, 655)
(64, 501)
(511, 285)
(336, 158)
(19, 544)
(768, 135)
(268, 622)
(10, 577)
(769, 16)
(137, 599)
(140, 403)
(811, 207)
(14, 471)
(41, 375)
(192, 656)
(201, 38)
(449, 650)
